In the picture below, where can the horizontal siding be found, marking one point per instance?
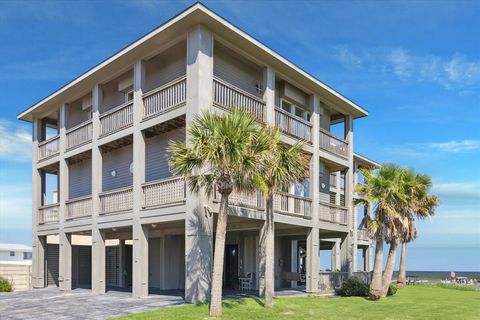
(18, 275)
(118, 160)
(111, 97)
(236, 71)
(80, 179)
(166, 67)
(76, 115)
(156, 158)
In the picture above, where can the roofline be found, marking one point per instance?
(367, 160)
(201, 7)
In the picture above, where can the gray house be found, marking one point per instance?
(122, 221)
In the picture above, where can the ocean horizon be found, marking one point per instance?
(435, 276)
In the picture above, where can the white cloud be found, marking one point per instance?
(457, 190)
(452, 73)
(456, 146)
(15, 142)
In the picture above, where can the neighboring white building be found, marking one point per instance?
(13, 252)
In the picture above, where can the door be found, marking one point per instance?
(231, 266)
(52, 264)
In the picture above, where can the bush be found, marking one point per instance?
(353, 287)
(5, 285)
(392, 289)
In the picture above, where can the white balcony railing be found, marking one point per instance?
(243, 199)
(333, 144)
(80, 134)
(293, 125)
(228, 96)
(165, 97)
(79, 207)
(163, 192)
(117, 200)
(116, 119)
(48, 148)
(290, 204)
(48, 213)
(331, 281)
(333, 213)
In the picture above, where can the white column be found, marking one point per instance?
(198, 223)
(294, 258)
(65, 245)
(38, 243)
(140, 233)
(313, 259)
(98, 236)
(351, 259)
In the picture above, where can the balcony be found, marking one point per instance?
(333, 213)
(227, 96)
(116, 201)
(290, 204)
(165, 98)
(48, 213)
(79, 207)
(79, 135)
(163, 192)
(293, 125)
(116, 119)
(362, 234)
(48, 148)
(333, 144)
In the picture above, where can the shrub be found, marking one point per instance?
(5, 285)
(353, 287)
(392, 289)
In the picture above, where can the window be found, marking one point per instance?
(12, 253)
(129, 96)
(295, 109)
(27, 256)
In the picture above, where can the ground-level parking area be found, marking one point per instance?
(52, 303)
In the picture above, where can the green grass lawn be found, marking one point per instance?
(413, 302)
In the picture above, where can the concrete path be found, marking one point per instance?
(51, 303)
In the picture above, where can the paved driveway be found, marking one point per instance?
(53, 304)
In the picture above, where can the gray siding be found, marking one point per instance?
(166, 67)
(80, 179)
(118, 160)
(172, 268)
(76, 115)
(156, 158)
(236, 71)
(111, 97)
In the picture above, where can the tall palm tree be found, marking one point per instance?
(414, 202)
(222, 153)
(382, 190)
(282, 166)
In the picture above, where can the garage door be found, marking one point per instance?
(52, 264)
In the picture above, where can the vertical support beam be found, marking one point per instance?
(65, 245)
(121, 263)
(336, 264)
(98, 236)
(351, 245)
(140, 232)
(269, 94)
(38, 243)
(313, 259)
(315, 160)
(198, 222)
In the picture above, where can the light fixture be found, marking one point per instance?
(114, 173)
(114, 229)
(154, 225)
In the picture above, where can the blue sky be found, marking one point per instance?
(415, 66)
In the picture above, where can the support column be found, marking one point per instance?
(140, 232)
(65, 241)
(38, 243)
(198, 221)
(313, 259)
(121, 263)
(336, 263)
(98, 236)
(349, 246)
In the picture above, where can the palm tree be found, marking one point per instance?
(222, 153)
(414, 202)
(382, 190)
(282, 166)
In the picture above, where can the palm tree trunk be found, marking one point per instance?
(387, 274)
(402, 273)
(269, 248)
(375, 291)
(217, 277)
